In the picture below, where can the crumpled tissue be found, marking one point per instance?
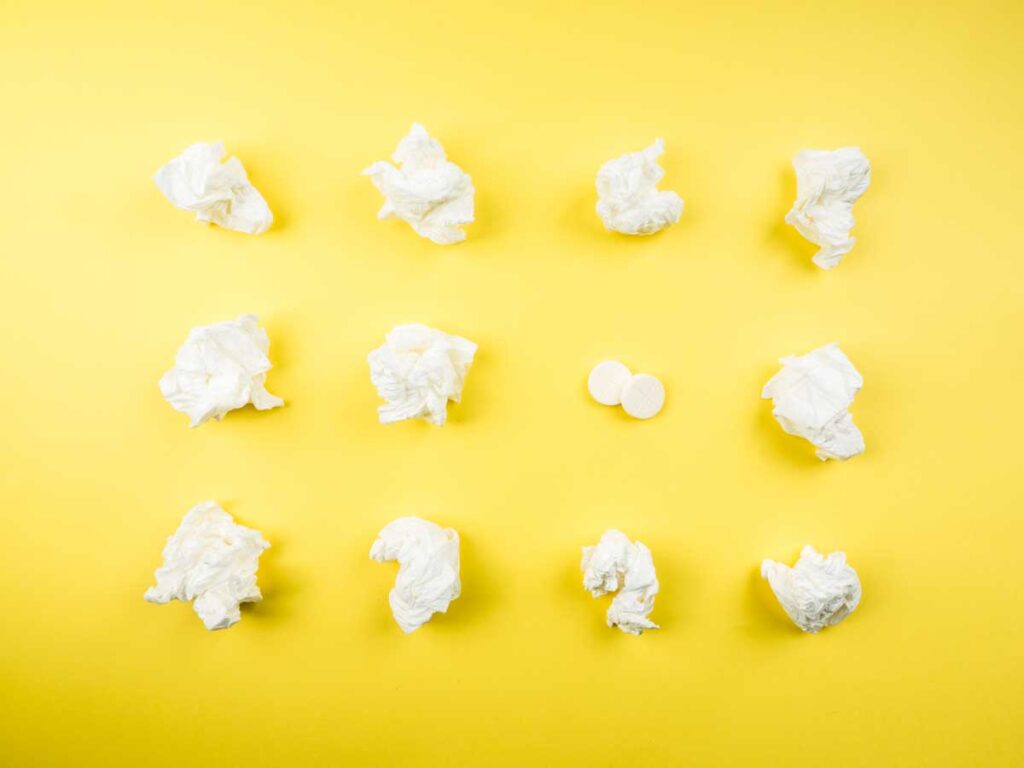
(216, 191)
(211, 561)
(428, 569)
(810, 398)
(628, 197)
(418, 370)
(220, 367)
(429, 193)
(828, 183)
(818, 591)
(616, 563)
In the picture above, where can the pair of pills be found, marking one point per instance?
(612, 383)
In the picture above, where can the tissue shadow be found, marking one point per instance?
(260, 164)
(487, 221)
(277, 585)
(480, 591)
(280, 330)
(799, 251)
(580, 218)
(793, 450)
(478, 384)
(765, 618)
(677, 584)
(591, 610)
(789, 448)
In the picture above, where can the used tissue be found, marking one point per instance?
(211, 561)
(428, 569)
(220, 367)
(215, 191)
(827, 186)
(818, 591)
(616, 563)
(628, 199)
(418, 370)
(429, 193)
(810, 398)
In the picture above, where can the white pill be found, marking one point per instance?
(643, 396)
(607, 380)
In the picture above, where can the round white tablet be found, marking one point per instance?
(643, 396)
(607, 380)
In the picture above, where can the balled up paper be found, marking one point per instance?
(210, 561)
(426, 191)
(811, 395)
(417, 371)
(428, 569)
(219, 368)
(617, 564)
(827, 186)
(628, 198)
(818, 592)
(217, 192)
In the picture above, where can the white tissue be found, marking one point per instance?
(418, 370)
(811, 395)
(220, 367)
(217, 192)
(827, 186)
(429, 193)
(818, 591)
(211, 561)
(628, 200)
(428, 572)
(616, 563)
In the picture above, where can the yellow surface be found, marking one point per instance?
(103, 279)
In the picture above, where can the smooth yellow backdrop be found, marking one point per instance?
(102, 280)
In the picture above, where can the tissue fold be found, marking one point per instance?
(429, 193)
(616, 563)
(418, 370)
(811, 395)
(211, 561)
(215, 191)
(827, 186)
(220, 367)
(818, 591)
(428, 569)
(628, 199)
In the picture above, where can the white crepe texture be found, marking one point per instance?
(220, 367)
(628, 199)
(418, 370)
(211, 561)
(429, 193)
(215, 191)
(828, 183)
(818, 591)
(810, 397)
(616, 563)
(428, 569)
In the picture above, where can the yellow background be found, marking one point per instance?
(102, 280)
